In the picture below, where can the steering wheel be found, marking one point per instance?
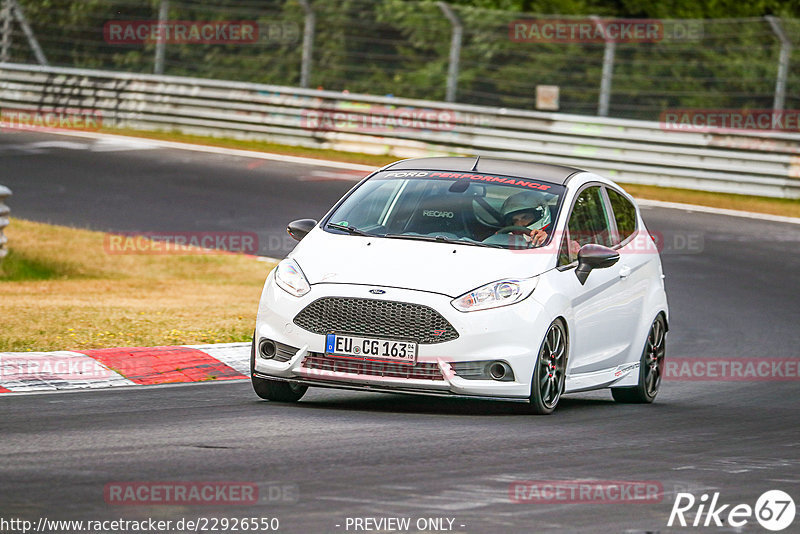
(509, 229)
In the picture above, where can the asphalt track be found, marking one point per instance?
(733, 291)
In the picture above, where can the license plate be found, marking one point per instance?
(363, 348)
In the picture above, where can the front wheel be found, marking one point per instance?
(278, 391)
(651, 367)
(550, 371)
(274, 390)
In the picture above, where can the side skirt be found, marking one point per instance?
(622, 375)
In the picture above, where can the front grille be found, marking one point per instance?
(419, 371)
(382, 318)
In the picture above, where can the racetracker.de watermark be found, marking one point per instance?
(128, 32)
(369, 118)
(640, 242)
(732, 369)
(585, 31)
(586, 491)
(705, 120)
(57, 366)
(51, 119)
(179, 493)
(598, 31)
(181, 243)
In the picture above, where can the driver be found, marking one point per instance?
(528, 211)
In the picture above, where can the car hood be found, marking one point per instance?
(409, 264)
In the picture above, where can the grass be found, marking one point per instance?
(773, 206)
(60, 290)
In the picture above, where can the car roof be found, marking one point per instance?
(557, 174)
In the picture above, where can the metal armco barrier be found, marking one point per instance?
(5, 211)
(641, 152)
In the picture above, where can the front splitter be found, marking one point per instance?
(388, 389)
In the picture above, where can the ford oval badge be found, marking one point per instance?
(377, 291)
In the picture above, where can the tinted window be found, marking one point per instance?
(624, 214)
(371, 209)
(470, 207)
(588, 223)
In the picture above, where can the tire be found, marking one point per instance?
(549, 375)
(651, 367)
(273, 390)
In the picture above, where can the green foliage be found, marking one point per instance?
(668, 9)
(17, 268)
(401, 47)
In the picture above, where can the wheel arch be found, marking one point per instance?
(663, 314)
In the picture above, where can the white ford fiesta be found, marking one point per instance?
(468, 277)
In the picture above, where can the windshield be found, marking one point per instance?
(468, 208)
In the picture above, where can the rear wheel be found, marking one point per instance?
(651, 367)
(550, 371)
(274, 390)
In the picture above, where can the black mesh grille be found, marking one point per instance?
(420, 371)
(382, 318)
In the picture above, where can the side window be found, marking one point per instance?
(588, 223)
(624, 214)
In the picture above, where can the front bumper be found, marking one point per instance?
(510, 333)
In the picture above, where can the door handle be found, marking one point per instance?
(625, 272)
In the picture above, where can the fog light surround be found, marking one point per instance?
(498, 370)
(267, 349)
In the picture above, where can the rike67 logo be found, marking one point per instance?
(774, 510)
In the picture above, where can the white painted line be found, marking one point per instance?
(65, 145)
(156, 143)
(327, 176)
(717, 211)
(121, 145)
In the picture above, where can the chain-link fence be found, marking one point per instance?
(429, 50)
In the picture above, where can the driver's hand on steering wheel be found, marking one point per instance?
(538, 237)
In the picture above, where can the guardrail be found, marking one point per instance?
(744, 162)
(5, 211)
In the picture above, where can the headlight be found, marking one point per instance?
(291, 279)
(496, 294)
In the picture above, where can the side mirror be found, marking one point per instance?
(594, 257)
(299, 229)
